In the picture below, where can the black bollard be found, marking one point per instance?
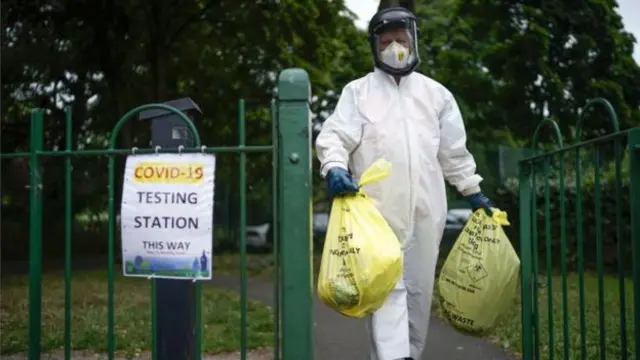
(175, 300)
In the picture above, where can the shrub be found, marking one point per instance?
(611, 217)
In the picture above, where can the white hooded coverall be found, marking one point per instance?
(416, 125)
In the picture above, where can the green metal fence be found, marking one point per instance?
(580, 245)
(291, 151)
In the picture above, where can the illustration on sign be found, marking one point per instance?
(167, 216)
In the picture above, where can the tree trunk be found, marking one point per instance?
(157, 43)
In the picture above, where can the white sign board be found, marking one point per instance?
(166, 216)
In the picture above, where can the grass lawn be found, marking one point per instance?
(220, 311)
(508, 332)
(258, 265)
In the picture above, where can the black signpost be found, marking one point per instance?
(175, 300)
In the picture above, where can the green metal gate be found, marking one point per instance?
(580, 209)
(291, 151)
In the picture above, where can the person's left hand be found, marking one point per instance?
(478, 200)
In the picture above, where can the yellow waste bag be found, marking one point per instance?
(479, 278)
(362, 258)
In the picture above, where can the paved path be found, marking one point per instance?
(341, 338)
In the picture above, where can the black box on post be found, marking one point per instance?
(167, 130)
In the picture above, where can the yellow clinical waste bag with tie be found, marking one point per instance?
(362, 258)
(479, 278)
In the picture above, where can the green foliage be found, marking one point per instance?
(104, 58)
(510, 64)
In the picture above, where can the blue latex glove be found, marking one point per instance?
(340, 182)
(478, 200)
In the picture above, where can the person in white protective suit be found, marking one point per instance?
(413, 122)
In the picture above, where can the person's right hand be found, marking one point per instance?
(340, 182)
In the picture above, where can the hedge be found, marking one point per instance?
(507, 199)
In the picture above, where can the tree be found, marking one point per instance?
(107, 57)
(513, 63)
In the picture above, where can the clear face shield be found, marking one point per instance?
(395, 47)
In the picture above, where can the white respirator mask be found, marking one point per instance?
(395, 55)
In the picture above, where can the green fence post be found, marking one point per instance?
(526, 199)
(276, 242)
(634, 181)
(294, 199)
(35, 235)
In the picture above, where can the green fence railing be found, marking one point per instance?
(580, 245)
(291, 151)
